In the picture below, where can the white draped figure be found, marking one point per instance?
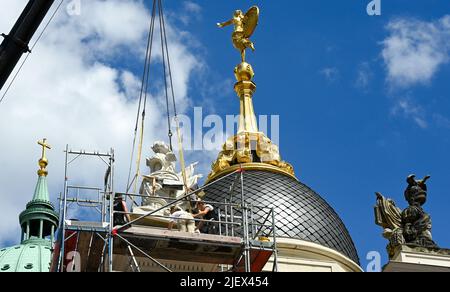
(163, 184)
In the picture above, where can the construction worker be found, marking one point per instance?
(183, 219)
(121, 217)
(206, 212)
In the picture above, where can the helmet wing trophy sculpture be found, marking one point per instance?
(412, 226)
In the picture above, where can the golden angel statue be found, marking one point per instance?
(244, 27)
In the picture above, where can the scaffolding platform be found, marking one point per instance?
(180, 246)
(88, 240)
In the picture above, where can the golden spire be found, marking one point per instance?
(249, 149)
(245, 88)
(43, 162)
(244, 27)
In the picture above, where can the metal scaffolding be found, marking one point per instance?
(244, 242)
(98, 227)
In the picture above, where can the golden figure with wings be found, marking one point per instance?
(244, 27)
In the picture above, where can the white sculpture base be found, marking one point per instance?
(416, 259)
(155, 221)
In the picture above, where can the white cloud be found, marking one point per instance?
(407, 108)
(441, 120)
(415, 50)
(75, 90)
(364, 76)
(8, 19)
(190, 11)
(192, 7)
(331, 74)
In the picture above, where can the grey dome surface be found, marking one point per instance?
(300, 212)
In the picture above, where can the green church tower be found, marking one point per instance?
(38, 223)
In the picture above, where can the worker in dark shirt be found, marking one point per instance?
(122, 217)
(208, 213)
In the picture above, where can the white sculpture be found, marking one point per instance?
(164, 184)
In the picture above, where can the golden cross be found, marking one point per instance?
(45, 146)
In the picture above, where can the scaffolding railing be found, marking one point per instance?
(252, 226)
(245, 226)
(71, 200)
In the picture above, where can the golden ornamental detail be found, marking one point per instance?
(43, 162)
(249, 148)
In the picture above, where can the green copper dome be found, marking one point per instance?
(39, 217)
(31, 256)
(38, 223)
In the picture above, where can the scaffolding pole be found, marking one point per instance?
(63, 223)
(247, 259)
(275, 247)
(99, 204)
(111, 218)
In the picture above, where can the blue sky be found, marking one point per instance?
(343, 132)
(358, 114)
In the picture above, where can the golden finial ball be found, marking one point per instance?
(43, 162)
(244, 72)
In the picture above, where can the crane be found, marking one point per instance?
(15, 44)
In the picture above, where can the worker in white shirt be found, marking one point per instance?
(183, 219)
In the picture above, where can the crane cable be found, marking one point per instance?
(177, 122)
(141, 139)
(163, 53)
(167, 71)
(31, 50)
(143, 94)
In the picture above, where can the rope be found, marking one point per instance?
(143, 94)
(139, 109)
(168, 61)
(162, 32)
(167, 71)
(177, 122)
(138, 161)
(32, 48)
